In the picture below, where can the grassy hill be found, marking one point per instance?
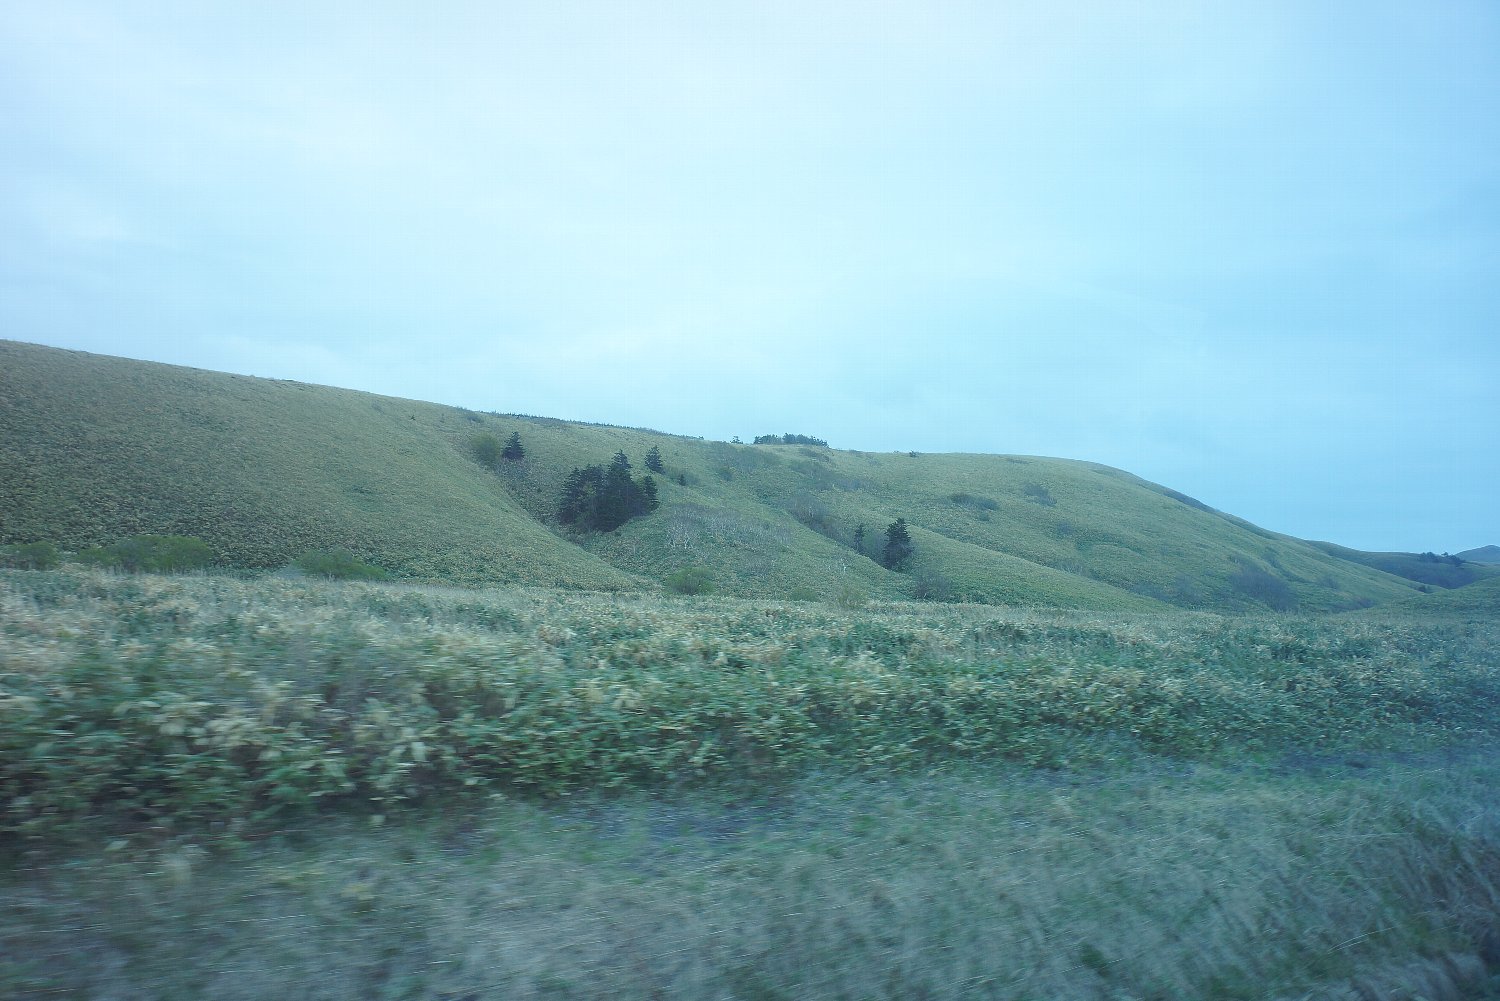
(1424, 568)
(95, 448)
(1484, 554)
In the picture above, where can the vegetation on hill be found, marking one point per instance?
(1431, 569)
(596, 499)
(95, 449)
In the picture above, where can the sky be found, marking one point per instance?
(1250, 250)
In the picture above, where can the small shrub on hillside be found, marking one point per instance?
(339, 564)
(802, 594)
(690, 580)
(486, 449)
(1268, 589)
(151, 554)
(29, 556)
(971, 501)
(929, 585)
(1038, 494)
(850, 596)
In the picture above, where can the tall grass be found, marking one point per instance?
(210, 701)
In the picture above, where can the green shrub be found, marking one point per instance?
(963, 499)
(339, 564)
(1266, 588)
(29, 556)
(486, 449)
(151, 554)
(1038, 494)
(802, 594)
(929, 585)
(850, 596)
(691, 580)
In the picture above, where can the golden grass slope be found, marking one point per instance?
(96, 448)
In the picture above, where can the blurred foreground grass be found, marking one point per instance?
(1163, 882)
(215, 787)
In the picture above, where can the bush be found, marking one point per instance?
(151, 554)
(970, 500)
(1266, 588)
(850, 596)
(339, 564)
(929, 585)
(1038, 494)
(691, 580)
(486, 449)
(29, 556)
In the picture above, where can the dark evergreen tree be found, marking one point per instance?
(653, 460)
(614, 506)
(513, 450)
(859, 539)
(577, 497)
(596, 499)
(898, 547)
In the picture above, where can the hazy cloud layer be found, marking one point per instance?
(1246, 250)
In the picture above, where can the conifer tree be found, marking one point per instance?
(614, 498)
(859, 539)
(576, 505)
(649, 500)
(653, 460)
(898, 547)
(513, 451)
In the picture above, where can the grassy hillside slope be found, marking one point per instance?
(1484, 554)
(94, 448)
(1424, 568)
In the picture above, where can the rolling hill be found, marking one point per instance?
(1424, 568)
(95, 448)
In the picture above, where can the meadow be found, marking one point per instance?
(94, 450)
(249, 787)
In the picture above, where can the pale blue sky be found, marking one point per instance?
(1250, 250)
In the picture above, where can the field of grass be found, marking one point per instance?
(245, 788)
(200, 700)
(94, 449)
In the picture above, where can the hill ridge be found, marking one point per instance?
(96, 448)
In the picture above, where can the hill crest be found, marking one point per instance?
(97, 448)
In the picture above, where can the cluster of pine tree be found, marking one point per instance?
(789, 439)
(597, 499)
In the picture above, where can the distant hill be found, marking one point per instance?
(1484, 554)
(1479, 601)
(95, 448)
(1424, 568)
